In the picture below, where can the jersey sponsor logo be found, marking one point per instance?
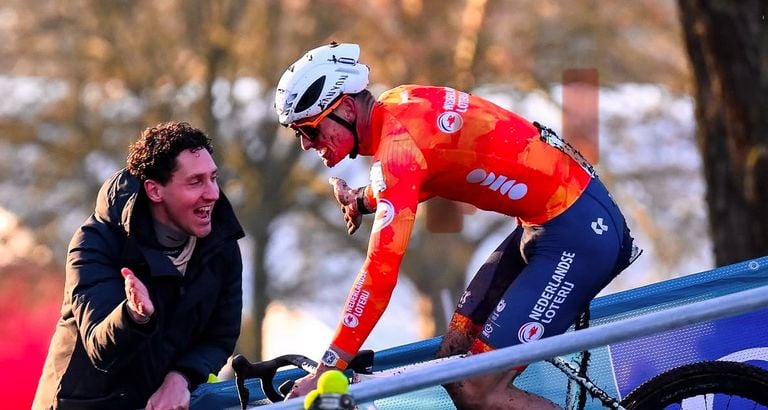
(455, 100)
(449, 122)
(351, 320)
(599, 227)
(385, 213)
(493, 318)
(530, 331)
(511, 188)
(356, 303)
(377, 178)
(555, 292)
(464, 297)
(487, 330)
(496, 312)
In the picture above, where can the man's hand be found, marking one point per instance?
(140, 306)
(347, 198)
(172, 394)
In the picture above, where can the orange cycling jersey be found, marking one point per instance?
(437, 141)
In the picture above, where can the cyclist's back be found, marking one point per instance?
(473, 151)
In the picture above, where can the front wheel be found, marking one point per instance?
(701, 385)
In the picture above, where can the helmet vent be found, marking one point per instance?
(311, 96)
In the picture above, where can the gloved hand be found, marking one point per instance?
(347, 198)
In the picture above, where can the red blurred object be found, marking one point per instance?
(581, 111)
(30, 311)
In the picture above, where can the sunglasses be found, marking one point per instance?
(308, 129)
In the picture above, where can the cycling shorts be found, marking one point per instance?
(541, 277)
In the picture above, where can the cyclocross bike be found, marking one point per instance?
(691, 386)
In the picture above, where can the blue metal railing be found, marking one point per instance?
(502, 359)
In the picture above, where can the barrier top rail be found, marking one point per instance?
(502, 359)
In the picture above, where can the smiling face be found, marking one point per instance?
(327, 136)
(333, 142)
(186, 201)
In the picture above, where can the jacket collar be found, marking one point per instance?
(122, 203)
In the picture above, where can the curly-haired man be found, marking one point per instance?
(153, 297)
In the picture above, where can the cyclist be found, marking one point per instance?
(570, 241)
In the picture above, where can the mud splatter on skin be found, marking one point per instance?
(455, 342)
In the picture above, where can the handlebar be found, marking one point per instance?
(267, 369)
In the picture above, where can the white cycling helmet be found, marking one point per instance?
(317, 79)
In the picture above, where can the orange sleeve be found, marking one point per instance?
(397, 195)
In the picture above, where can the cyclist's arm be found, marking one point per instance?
(369, 199)
(397, 196)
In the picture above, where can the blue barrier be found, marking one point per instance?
(621, 365)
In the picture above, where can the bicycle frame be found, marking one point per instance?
(361, 370)
(582, 380)
(573, 373)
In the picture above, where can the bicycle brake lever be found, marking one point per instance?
(362, 362)
(286, 387)
(302, 362)
(240, 366)
(266, 371)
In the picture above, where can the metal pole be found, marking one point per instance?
(503, 359)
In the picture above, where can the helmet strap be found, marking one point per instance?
(352, 129)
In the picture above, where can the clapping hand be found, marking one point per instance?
(140, 306)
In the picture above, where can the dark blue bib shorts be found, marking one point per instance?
(541, 277)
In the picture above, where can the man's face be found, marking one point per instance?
(186, 201)
(331, 140)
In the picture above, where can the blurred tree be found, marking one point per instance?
(106, 70)
(728, 47)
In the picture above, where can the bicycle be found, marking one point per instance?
(693, 383)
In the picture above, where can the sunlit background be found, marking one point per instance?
(80, 79)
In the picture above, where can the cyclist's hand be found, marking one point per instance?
(140, 306)
(347, 198)
(172, 394)
(304, 385)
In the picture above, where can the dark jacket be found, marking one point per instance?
(100, 358)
